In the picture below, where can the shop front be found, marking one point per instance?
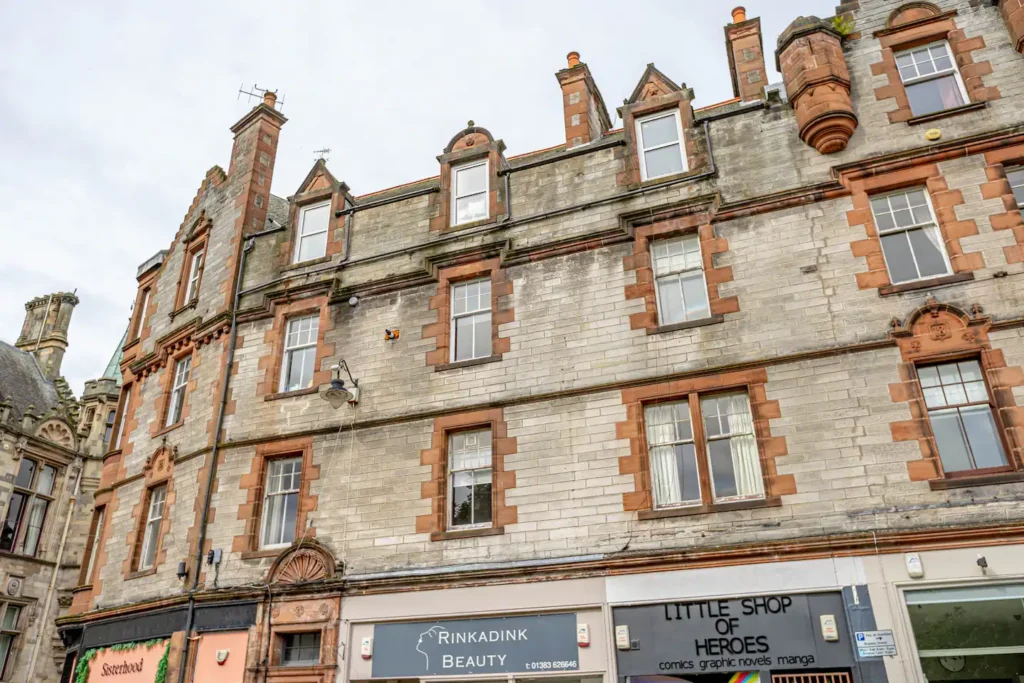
(538, 631)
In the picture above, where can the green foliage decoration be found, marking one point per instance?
(843, 25)
(82, 669)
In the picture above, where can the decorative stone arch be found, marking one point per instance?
(59, 432)
(306, 561)
(910, 12)
(937, 332)
(470, 144)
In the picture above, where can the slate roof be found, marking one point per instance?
(278, 210)
(22, 381)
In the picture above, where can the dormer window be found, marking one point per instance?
(660, 143)
(314, 222)
(469, 195)
(195, 272)
(931, 79)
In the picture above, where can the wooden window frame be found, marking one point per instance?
(92, 543)
(123, 403)
(29, 495)
(14, 634)
(300, 213)
(641, 149)
(145, 520)
(453, 323)
(288, 350)
(933, 224)
(196, 245)
(280, 636)
(678, 275)
(450, 481)
(465, 166)
(173, 386)
(267, 464)
(142, 308)
(954, 71)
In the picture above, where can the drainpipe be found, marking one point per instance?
(56, 569)
(208, 496)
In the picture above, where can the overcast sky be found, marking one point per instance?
(111, 113)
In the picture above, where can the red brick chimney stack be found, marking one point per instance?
(586, 118)
(746, 56)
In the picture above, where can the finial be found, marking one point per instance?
(470, 123)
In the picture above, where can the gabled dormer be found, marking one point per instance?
(313, 235)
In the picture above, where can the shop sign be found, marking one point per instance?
(743, 634)
(127, 663)
(875, 643)
(456, 647)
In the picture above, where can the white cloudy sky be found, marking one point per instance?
(111, 113)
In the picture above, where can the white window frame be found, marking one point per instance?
(677, 275)
(456, 196)
(100, 514)
(642, 149)
(289, 351)
(151, 534)
(267, 494)
(933, 224)
(195, 273)
(179, 387)
(141, 320)
(122, 410)
(457, 316)
(301, 233)
(953, 70)
(1016, 171)
(451, 479)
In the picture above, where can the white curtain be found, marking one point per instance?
(661, 429)
(746, 463)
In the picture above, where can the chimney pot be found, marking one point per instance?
(573, 59)
(739, 14)
(270, 98)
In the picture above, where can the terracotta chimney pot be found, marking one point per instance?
(739, 14)
(269, 98)
(573, 58)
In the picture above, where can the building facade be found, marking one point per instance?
(728, 393)
(51, 450)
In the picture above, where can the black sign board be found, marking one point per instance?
(456, 647)
(780, 632)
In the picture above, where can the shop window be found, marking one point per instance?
(299, 362)
(931, 79)
(314, 222)
(660, 145)
(10, 614)
(154, 518)
(961, 413)
(911, 240)
(469, 195)
(1016, 178)
(179, 387)
(470, 479)
(281, 502)
(715, 462)
(969, 633)
(92, 545)
(679, 272)
(29, 503)
(300, 649)
(108, 429)
(471, 320)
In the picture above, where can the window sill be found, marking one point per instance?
(935, 116)
(289, 394)
(140, 574)
(976, 480)
(169, 428)
(178, 311)
(264, 553)
(887, 290)
(670, 178)
(304, 264)
(490, 220)
(467, 533)
(665, 513)
(713, 320)
(467, 363)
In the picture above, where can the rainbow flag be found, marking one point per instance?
(746, 677)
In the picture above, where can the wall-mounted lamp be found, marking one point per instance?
(338, 395)
(983, 563)
(182, 571)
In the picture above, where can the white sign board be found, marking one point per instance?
(875, 643)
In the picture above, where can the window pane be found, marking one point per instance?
(34, 529)
(723, 477)
(312, 246)
(273, 508)
(672, 256)
(935, 95)
(25, 471)
(670, 300)
(898, 257)
(472, 180)
(301, 649)
(315, 219)
(695, 296)
(47, 475)
(934, 397)
(929, 376)
(471, 208)
(149, 543)
(469, 450)
(668, 423)
(5, 649)
(663, 161)
(675, 476)
(983, 437)
(464, 338)
(482, 335)
(291, 507)
(482, 497)
(14, 511)
(949, 437)
(11, 614)
(928, 249)
(300, 369)
(462, 498)
(659, 131)
(1016, 178)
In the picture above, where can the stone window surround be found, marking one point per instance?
(251, 512)
(163, 403)
(124, 403)
(469, 145)
(275, 335)
(998, 186)
(298, 615)
(943, 201)
(922, 31)
(436, 488)
(937, 333)
(147, 287)
(158, 471)
(753, 381)
(198, 241)
(501, 286)
(30, 494)
(640, 261)
(301, 201)
(92, 540)
(631, 176)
